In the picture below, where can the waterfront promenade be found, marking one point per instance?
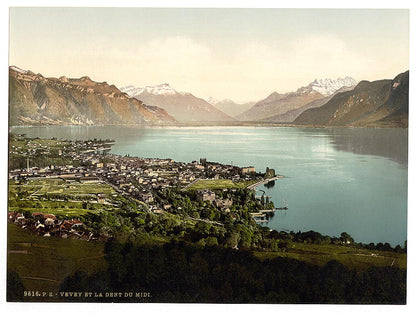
(254, 185)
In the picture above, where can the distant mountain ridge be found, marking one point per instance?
(369, 104)
(286, 107)
(230, 107)
(291, 115)
(37, 100)
(162, 89)
(329, 86)
(212, 101)
(185, 107)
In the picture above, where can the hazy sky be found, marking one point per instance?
(242, 54)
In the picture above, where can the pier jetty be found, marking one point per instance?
(254, 185)
(259, 214)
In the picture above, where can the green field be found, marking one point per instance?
(219, 184)
(353, 258)
(60, 186)
(58, 197)
(59, 209)
(36, 142)
(43, 262)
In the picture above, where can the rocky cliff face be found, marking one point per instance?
(379, 103)
(36, 100)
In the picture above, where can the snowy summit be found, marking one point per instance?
(15, 68)
(329, 86)
(212, 101)
(162, 89)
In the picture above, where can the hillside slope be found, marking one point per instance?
(286, 107)
(36, 100)
(379, 103)
(185, 107)
(291, 115)
(230, 107)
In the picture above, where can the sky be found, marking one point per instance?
(241, 54)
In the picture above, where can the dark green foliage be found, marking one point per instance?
(82, 282)
(182, 273)
(382, 247)
(270, 173)
(15, 287)
(270, 184)
(390, 285)
(20, 162)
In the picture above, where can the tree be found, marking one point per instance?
(202, 228)
(270, 173)
(233, 239)
(211, 241)
(346, 238)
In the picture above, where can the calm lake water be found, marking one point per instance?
(341, 179)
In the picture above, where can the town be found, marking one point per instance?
(50, 173)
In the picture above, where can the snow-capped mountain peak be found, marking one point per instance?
(212, 101)
(15, 68)
(329, 86)
(161, 89)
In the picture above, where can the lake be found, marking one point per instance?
(336, 179)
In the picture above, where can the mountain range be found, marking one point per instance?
(291, 115)
(230, 107)
(286, 107)
(185, 107)
(37, 100)
(378, 103)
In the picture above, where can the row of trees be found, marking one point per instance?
(344, 239)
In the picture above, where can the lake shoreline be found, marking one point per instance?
(341, 179)
(214, 124)
(265, 181)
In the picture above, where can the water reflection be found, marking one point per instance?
(269, 184)
(388, 143)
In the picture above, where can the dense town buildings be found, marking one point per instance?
(134, 177)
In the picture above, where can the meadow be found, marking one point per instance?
(352, 257)
(59, 197)
(43, 262)
(219, 184)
